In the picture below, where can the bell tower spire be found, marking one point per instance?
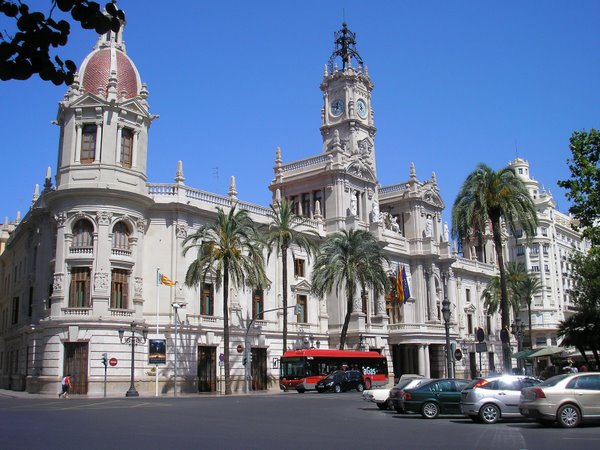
(347, 115)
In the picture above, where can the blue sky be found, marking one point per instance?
(456, 83)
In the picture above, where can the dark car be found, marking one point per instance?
(397, 392)
(342, 380)
(435, 398)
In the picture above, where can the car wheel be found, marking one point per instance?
(568, 416)
(430, 410)
(383, 406)
(301, 391)
(399, 410)
(360, 387)
(337, 389)
(489, 413)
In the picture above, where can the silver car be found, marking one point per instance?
(486, 400)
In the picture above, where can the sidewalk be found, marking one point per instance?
(26, 395)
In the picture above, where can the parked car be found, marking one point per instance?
(435, 397)
(381, 397)
(342, 380)
(397, 392)
(488, 399)
(377, 396)
(567, 399)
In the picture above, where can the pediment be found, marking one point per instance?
(432, 198)
(88, 100)
(301, 286)
(470, 308)
(135, 107)
(359, 168)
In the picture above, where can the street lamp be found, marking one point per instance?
(175, 306)
(518, 330)
(361, 343)
(446, 316)
(132, 340)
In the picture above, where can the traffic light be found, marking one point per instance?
(105, 359)
(244, 360)
(250, 357)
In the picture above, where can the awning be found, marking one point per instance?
(523, 354)
(547, 351)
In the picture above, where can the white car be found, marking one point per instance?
(378, 396)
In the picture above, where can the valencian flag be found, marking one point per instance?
(166, 280)
(400, 285)
(405, 287)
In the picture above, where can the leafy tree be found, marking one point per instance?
(285, 229)
(582, 329)
(583, 188)
(228, 251)
(28, 51)
(348, 259)
(485, 199)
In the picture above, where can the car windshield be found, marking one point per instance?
(554, 380)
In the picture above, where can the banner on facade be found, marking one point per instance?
(157, 353)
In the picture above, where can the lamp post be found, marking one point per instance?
(518, 330)
(175, 306)
(132, 340)
(361, 343)
(446, 316)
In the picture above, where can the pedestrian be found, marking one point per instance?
(66, 386)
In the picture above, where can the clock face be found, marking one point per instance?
(337, 108)
(361, 108)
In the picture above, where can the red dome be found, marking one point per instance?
(97, 68)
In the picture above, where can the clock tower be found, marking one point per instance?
(347, 116)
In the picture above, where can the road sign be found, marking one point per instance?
(240, 348)
(113, 362)
(480, 334)
(481, 347)
(221, 357)
(458, 354)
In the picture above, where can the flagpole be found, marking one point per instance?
(157, 336)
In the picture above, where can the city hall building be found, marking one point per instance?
(85, 262)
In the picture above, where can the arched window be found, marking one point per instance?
(83, 234)
(120, 237)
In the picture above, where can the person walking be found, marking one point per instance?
(66, 386)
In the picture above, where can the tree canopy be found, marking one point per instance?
(27, 51)
(583, 188)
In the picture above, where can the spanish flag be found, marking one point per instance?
(166, 280)
(399, 285)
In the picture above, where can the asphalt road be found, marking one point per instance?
(270, 421)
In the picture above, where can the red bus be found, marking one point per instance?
(302, 369)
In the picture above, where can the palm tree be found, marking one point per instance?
(515, 274)
(348, 259)
(528, 288)
(284, 231)
(228, 251)
(485, 199)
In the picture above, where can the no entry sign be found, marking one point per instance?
(113, 362)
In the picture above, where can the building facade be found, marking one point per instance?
(546, 255)
(85, 261)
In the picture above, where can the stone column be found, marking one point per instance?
(421, 359)
(427, 372)
(59, 297)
